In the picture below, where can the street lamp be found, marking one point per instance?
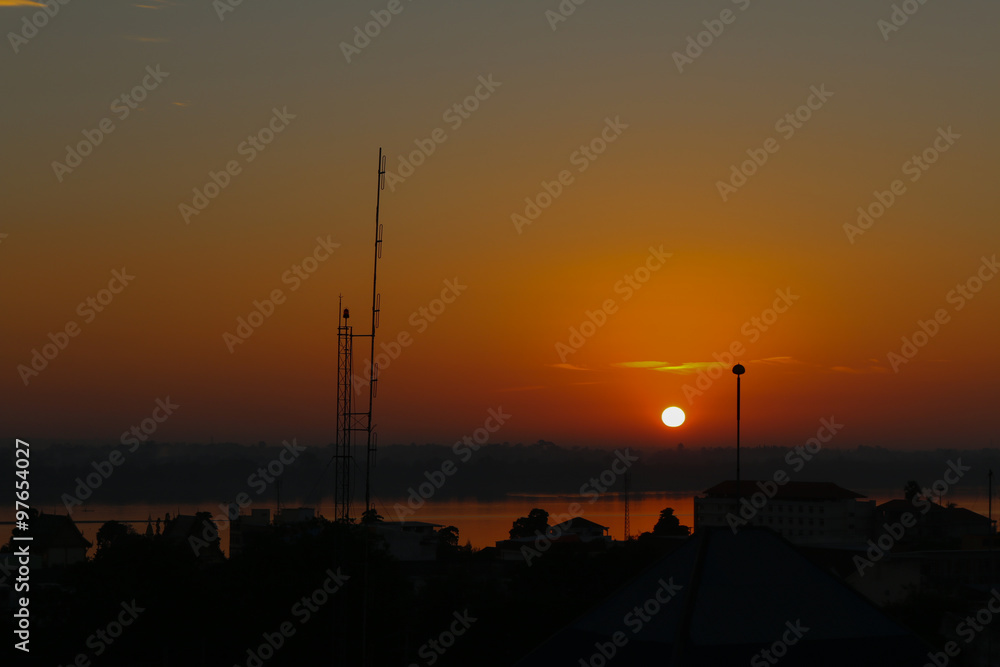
(738, 370)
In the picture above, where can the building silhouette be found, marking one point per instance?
(806, 513)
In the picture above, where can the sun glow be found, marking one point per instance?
(673, 416)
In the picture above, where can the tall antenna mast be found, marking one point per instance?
(348, 420)
(342, 454)
(372, 392)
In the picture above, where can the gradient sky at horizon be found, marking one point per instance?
(655, 185)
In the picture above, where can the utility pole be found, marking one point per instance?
(738, 370)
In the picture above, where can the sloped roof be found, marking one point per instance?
(899, 505)
(965, 515)
(949, 514)
(739, 591)
(56, 531)
(579, 523)
(786, 491)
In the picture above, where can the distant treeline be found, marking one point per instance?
(197, 473)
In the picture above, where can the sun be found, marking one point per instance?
(673, 416)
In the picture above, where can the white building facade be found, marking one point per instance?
(807, 513)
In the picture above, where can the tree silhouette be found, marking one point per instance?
(111, 533)
(536, 522)
(447, 542)
(448, 535)
(669, 525)
(912, 490)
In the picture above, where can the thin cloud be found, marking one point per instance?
(147, 39)
(642, 364)
(775, 360)
(690, 367)
(687, 367)
(20, 3)
(569, 367)
(682, 368)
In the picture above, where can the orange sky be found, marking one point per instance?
(655, 185)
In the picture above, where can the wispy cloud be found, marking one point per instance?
(20, 3)
(569, 367)
(133, 38)
(775, 360)
(642, 364)
(681, 368)
(689, 367)
(866, 367)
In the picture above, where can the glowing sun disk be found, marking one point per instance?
(673, 416)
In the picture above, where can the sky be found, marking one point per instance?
(585, 214)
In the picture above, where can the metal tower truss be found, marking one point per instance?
(343, 454)
(350, 421)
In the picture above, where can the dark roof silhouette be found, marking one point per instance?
(56, 531)
(956, 514)
(579, 523)
(899, 505)
(786, 491)
(739, 592)
(965, 515)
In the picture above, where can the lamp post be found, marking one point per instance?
(738, 370)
